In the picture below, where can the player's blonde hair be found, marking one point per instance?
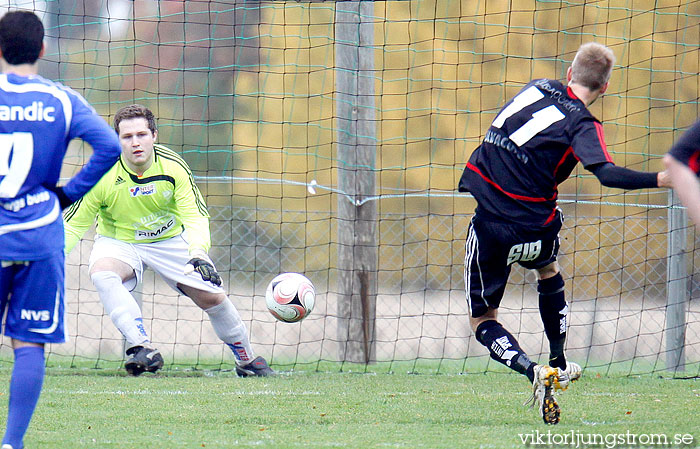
(592, 65)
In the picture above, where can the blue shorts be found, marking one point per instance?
(32, 294)
(493, 246)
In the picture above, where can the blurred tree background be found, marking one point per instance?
(245, 90)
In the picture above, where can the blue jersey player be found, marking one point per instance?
(683, 162)
(531, 147)
(38, 118)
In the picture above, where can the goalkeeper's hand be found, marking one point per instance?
(205, 269)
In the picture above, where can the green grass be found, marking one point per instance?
(105, 409)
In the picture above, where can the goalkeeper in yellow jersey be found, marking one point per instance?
(150, 213)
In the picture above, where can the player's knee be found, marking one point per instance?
(220, 305)
(548, 271)
(105, 280)
(476, 322)
(206, 300)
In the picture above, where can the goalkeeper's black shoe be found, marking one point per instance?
(143, 359)
(257, 367)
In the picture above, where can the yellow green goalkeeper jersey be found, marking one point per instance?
(143, 209)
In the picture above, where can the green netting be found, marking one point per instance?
(247, 92)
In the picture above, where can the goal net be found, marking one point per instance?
(254, 96)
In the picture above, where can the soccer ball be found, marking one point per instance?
(290, 297)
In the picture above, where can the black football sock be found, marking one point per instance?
(504, 348)
(554, 313)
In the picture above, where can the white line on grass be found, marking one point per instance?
(181, 392)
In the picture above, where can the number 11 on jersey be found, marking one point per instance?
(540, 120)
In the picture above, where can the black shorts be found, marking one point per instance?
(493, 246)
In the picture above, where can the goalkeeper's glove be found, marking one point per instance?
(205, 269)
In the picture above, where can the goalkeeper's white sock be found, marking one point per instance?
(121, 307)
(231, 330)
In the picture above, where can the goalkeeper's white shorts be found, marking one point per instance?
(167, 258)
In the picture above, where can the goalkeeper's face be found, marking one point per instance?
(137, 143)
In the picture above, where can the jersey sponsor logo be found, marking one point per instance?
(567, 103)
(147, 234)
(35, 112)
(35, 315)
(148, 189)
(27, 200)
(505, 143)
(15, 205)
(9, 263)
(153, 220)
(524, 252)
(119, 180)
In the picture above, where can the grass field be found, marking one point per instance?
(105, 409)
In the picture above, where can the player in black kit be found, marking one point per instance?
(532, 146)
(683, 163)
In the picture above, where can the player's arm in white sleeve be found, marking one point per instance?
(195, 218)
(80, 216)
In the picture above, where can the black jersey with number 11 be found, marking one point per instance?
(531, 147)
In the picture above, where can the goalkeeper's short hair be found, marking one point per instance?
(135, 111)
